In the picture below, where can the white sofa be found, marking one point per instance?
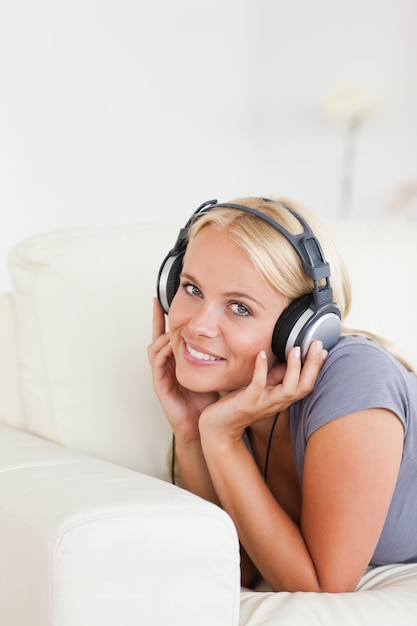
(91, 531)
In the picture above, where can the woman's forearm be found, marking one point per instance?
(193, 470)
(272, 540)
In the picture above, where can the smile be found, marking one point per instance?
(201, 356)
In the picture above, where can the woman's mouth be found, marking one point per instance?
(201, 356)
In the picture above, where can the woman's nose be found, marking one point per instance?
(205, 322)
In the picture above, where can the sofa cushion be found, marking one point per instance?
(385, 596)
(83, 300)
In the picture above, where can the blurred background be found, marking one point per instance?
(118, 111)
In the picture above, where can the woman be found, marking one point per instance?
(315, 463)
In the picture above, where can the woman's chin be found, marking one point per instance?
(199, 382)
(195, 385)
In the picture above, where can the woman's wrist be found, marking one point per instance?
(184, 438)
(221, 435)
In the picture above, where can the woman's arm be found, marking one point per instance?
(350, 472)
(193, 471)
(351, 468)
(271, 539)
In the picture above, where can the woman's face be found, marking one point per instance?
(222, 315)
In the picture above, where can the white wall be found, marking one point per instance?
(120, 110)
(308, 47)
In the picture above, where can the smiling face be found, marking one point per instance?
(222, 315)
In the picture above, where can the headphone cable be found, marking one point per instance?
(173, 460)
(268, 447)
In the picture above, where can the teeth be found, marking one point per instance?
(201, 356)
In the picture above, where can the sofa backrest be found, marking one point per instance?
(83, 307)
(83, 302)
(10, 405)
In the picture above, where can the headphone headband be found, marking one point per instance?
(305, 244)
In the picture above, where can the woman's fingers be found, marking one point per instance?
(158, 321)
(260, 373)
(265, 396)
(300, 380)
(292, 373)
(160, 350)
(297, 382)
(312, 367)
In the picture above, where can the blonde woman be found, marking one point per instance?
(308, 440)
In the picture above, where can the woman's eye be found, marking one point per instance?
(192, 290)
(240, 309)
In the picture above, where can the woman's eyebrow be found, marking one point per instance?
(230, 294)
(239, 294)
(188, 277)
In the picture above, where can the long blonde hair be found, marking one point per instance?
(275, 256)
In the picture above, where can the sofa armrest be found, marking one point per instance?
(84, 543)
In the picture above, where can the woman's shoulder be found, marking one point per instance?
(360, 351)
(359, 374)
(359, 345)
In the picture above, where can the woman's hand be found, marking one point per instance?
(181, 406)
(269, 392)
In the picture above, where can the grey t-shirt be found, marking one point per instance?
(359, 374)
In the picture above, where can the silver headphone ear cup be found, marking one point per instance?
(324, 325)
(169, 279)
(301, 323)
(285, 325)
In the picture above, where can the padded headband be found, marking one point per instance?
(305, 244)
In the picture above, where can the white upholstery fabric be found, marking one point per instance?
(385, 596)
(83, 302)
(10, 405)
(86, 543)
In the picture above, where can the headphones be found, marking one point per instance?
(309, 317)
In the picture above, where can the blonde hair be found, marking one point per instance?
(276, 258)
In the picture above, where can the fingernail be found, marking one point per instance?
(263, 354)
(319, 346)
(297, 352)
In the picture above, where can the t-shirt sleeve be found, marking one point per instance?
(358, 375)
